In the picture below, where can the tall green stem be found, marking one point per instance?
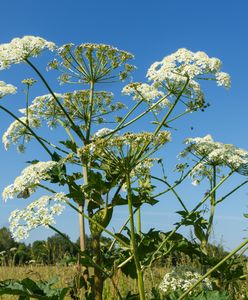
(213, 204)
(139, 221)
(133, 245)
(213, 269)
(85, 173)
(27, 94)
(100, 226)
(91, 107)
(92, 262)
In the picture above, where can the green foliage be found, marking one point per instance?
(27, 289)
(209, 295)
(6, 240)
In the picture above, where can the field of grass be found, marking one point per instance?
(66, 274)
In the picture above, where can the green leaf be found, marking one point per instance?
(70, 145)
(103, 217)
(27, 288)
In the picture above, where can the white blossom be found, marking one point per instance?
(29, 178)
(6, 89)
(102, 132)
(39, 213)
(20, 49)
(16, 130)
(182, 280)
(174, 70)
(142, 91)
(183, 63)
(215, 154)
(223, 79)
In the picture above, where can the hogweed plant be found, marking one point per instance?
(102, 168)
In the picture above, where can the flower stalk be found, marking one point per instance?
(133, 245)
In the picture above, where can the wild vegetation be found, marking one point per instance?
(94, 170)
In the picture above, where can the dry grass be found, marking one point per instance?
(37, 273)
(65, 275)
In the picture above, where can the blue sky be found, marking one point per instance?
(150, 30)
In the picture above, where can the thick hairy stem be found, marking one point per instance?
(120, 230)
(139, 221)
(81, 207)
(212, 209)
(122, 242)
(98, 276)
(81, 228)
(82, 234)
(91, 107)
(133, 245)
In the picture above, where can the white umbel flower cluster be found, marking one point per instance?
(29, 178)
(223, 79)
(39, 213)
(17, 130)
(214, 154)
(20, 49)
(89, 61)
(44, 108)
(6, 89)
(184, 63)
(178, 281)
(116, 144)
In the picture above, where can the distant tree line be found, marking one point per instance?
(56, 249)
(59, 250)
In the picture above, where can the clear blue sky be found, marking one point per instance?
(150, 30)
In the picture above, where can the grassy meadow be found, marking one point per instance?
(125, 284)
